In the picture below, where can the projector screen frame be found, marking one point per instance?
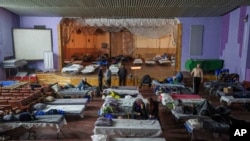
(32, 34)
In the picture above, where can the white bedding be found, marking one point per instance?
(14, 63)
(114, 68)
(68, 109)
(89, 69)
(181, 116)
(72, 68)
(231, 100)
(131, 128)
(138, 61)
(164, 61)
(43, 121)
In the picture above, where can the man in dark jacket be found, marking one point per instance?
(122, 74)
(100, 77)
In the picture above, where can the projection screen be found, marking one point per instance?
(30, 44)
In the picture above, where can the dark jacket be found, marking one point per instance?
(122, 72)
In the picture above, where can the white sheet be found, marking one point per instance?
(69, 101)
(89, 69)
(138, 139)
(180, 116)
(150, 62)
(138, 61)
(121, 91)
(14, 63)
(68, 109)
(231, 100)
(53, 121)
(114, 68)
(72, 68)
(131, 128)
(164, 61)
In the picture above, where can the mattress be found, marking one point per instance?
(181, 116)
(72, 68)
(164, 61)
(14, 63)
(68, 109)
(150, 62)
(114, 68)
(69, 101)
(138, 139)
(122, 92)
(42, 121)
(231, 100)
(76, 92)
(138, 62)
(89, 69)
(131, 128)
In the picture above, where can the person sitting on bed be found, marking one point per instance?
(139, 109)
(83, 84)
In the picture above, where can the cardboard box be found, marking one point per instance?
(227, 90)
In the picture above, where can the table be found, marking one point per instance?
(206, 64)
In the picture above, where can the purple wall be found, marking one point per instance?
(234, 49)
(49, 22)
(211, 37)
(7, 22)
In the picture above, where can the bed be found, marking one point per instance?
(138, 61)
(122, 92)
(69, 101)
(185, 98)
(14, 63)
(90, 69)
(56, 121)
(72, 68)
(68, 109)
(114, 68)
(125, 106)
(196, 128)
(131, 128)
(164, 62)
(138, 139)
(150, 62)
(181, 116)
(75, 92)
(234, 100)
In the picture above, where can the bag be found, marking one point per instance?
(26, 116)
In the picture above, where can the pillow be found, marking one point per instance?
(99, 137)
(56, 88)
(39, 106)
(49, 99)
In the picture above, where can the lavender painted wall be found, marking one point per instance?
(235, 47)
(7, 22)
(49, 22)
(211, 37)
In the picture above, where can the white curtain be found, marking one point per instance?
(151, 28)
(48, 60)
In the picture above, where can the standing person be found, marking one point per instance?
(122, 74)
(197, 74)
(153, 109)
(100, 77)
(108, 76)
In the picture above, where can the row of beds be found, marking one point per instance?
(76, 68)
(139, 130)
(126, 128)
(204, 126)
(69, 106)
